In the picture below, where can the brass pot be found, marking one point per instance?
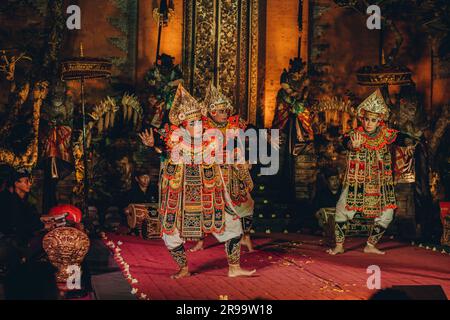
(65, 247)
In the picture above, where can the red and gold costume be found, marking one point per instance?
(368, 184)
(193, 198)
(369, 174)
(191, 195)
(237, 177)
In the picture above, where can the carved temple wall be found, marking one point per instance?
(335, 41)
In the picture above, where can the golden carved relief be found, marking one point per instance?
(228, 48)
(253, 81)
(204, 58)
(221, 44)
(242, 93)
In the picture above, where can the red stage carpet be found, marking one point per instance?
(288, 267)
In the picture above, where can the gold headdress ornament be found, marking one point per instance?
(215, 100)
(184, 107)
(374, 103)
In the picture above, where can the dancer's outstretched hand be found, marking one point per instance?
(147, 138)
(357, 140)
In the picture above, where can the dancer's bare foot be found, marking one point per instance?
(237, 271)
(246, 241)
(372, 249)
(198, 246)
(339, 249)
(182, 273)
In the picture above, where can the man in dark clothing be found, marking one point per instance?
(25, 220)
(21, 233)
(143, 191)
(5, 197)
(7, 253)
(328, 193)
(20, 222)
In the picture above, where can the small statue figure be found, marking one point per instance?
(56, 133)
(292, 113)
(292, 118)
(412, 169)
(162, 80)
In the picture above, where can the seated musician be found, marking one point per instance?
(142, 192)
(20, 225)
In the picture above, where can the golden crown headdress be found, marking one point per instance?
(215, 100)
(184, 107)
(374, 103)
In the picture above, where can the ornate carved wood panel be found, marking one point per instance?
(220, 44)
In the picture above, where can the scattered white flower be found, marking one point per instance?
(143, 296)
(134, 281)
(119, 243)
(134, 291)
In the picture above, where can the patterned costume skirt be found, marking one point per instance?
(191, 200)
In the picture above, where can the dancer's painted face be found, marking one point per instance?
(219, 116)
(194, 128)
(370, 121)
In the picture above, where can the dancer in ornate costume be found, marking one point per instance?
(368, 183)
(237, 177)
(192, 196)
